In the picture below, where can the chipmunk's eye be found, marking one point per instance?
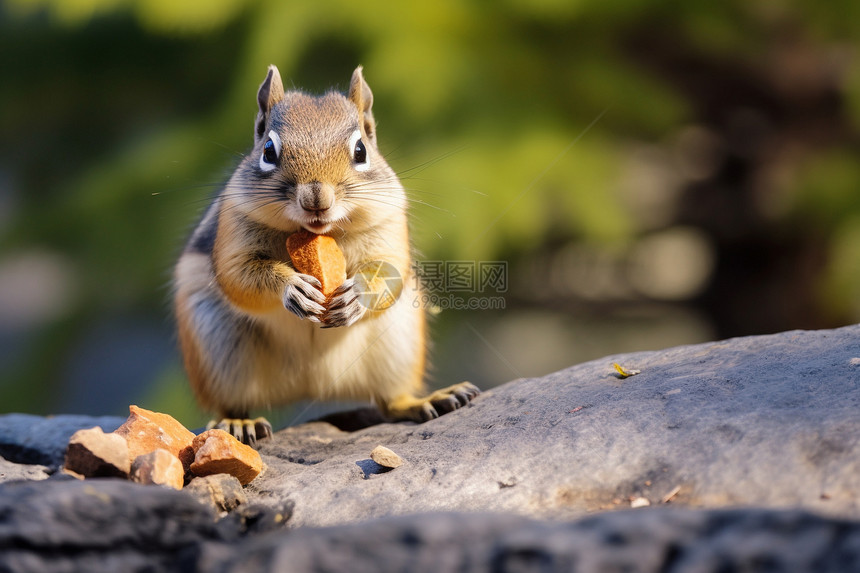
(359, 152)
(271, 152)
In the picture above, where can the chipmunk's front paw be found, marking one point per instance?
(344, 307)
(245, 430)
(303, 297)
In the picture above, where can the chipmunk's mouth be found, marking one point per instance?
(317, 226)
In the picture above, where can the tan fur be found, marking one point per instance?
(242, 348)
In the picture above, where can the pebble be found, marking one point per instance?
(385, 457)
(158, 467)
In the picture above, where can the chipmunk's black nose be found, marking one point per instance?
(315, 197)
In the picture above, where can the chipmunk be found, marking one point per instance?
(256, 333)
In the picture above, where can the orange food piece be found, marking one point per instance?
(318, 256)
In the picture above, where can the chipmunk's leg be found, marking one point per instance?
(409, 407)
(246, 430)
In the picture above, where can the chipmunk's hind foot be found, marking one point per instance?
(436, 404)
(244, 429)
(452, 398)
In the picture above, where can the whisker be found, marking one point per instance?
(222, 146)
(372, 195)
(429, 163)
(415, 190)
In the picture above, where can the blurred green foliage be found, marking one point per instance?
(512, 123)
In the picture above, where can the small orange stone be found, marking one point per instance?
(318, 256)
(92, 453)
(158, 467)
(218, 452)
(146, 431)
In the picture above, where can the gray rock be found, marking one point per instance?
(768, 421)
(28, 439)
(222, 492)
(633, 541)
(102, 524)
(109, 525)
(10, 471)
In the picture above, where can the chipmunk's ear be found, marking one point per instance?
(362, 97)
(271, 92)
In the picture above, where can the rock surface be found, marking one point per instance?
(10, 471)
(114, 525)
(28, 439)
(101, 525)
(765, 425)
(768, 421)
(631, 541)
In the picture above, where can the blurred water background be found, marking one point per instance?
(652, 173)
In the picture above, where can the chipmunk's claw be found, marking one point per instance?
(245, 430)
(453, 397)
(344, 307)
(303, 297)
(436, 404)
